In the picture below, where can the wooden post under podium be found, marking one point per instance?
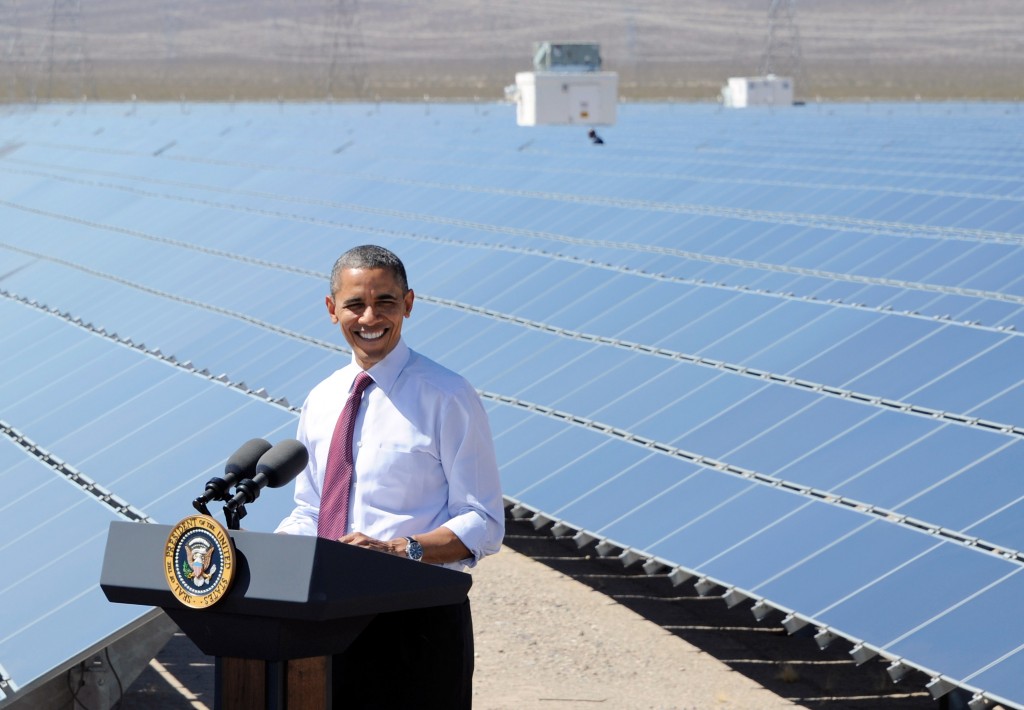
(298, 684)
(295, 601)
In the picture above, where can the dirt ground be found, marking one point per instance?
(562, 644)
(558, 627)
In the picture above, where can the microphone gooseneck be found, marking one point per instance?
(240, 465)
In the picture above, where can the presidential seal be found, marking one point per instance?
(199, 561)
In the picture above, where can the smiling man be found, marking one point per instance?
(420, 480)
(370, 305)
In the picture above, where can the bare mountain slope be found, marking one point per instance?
(111, 49)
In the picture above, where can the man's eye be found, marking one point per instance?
(382, 306)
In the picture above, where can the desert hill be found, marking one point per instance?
(471, 49)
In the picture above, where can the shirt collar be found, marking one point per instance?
(385, 373)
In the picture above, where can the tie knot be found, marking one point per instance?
(362, 382)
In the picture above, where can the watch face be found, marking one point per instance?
(414, 550)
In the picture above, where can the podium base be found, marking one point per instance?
(250, 684)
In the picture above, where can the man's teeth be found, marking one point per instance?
(371, 335)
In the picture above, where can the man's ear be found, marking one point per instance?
(330, 309)
(409, 298)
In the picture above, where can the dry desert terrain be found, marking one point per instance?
(112, 50)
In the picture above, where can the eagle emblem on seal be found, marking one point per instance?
(198, 566)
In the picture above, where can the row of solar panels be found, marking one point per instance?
(713, 411)
(873, 351)
(706, 406)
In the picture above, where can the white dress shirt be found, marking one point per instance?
(423, 455)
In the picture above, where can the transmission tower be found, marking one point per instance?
(67, 60)
(170, 23)
(782, 55)
(14, 62)
(347, 68)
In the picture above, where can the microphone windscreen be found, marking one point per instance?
(242, 463)
(283, 462)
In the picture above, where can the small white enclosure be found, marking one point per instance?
(768, 90)
(566, 98)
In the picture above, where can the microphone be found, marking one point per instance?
(241, 465)
(277, 467)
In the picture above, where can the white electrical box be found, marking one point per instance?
(554, 98)
(768, 90)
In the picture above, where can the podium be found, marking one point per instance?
(294, 602)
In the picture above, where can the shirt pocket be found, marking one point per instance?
(401, 479)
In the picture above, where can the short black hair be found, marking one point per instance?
(370, 256)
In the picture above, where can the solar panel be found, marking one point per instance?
(773, 351)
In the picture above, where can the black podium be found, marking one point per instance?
(294, 602)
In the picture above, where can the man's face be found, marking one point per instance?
(370, 307)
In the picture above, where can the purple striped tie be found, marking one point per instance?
(333, 519)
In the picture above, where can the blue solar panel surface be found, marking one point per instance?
(778, 351)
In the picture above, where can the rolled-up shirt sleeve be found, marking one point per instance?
(467, 455)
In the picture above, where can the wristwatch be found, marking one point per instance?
(413, 550)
